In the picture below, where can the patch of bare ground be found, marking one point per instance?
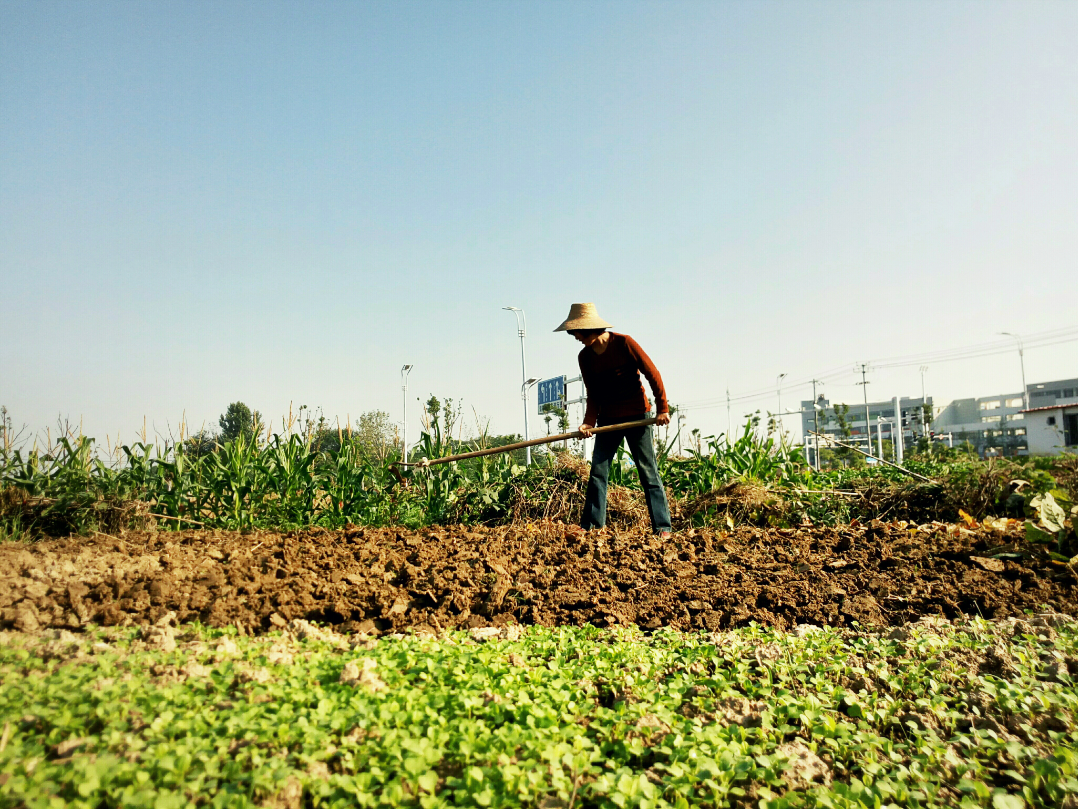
(388, 580)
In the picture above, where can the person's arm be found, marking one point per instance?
(651, 374)
(591, 411)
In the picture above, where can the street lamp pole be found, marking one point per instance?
(522, 330)
(404, 431)
(524, 395)
(1022, 361)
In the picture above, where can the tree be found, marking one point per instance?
(376, 434)
(200, 444)
(239, 420)
(440, 419)
(846, 455)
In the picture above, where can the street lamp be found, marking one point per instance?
(1022, 361)
(522, 330)
(528, 383)
(404, 432)
(680, 427)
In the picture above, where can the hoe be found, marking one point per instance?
(550, 439)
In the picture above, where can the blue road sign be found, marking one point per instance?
(552, 392)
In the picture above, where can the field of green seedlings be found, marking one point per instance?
(932, 714)
(301, 479)
(974, 714)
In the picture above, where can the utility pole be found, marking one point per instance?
(816, 423)
(868, 424)
(728, 427)
(924, 403)
(404, 431)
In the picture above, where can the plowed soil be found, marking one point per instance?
(387, 580)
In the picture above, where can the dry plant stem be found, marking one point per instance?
(169, 517)
(576, 788)
(819, 491)
(832, 440)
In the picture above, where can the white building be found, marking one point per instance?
(991, 424)
(1053, 430)
(999, 425)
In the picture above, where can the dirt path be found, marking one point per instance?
(386, 580)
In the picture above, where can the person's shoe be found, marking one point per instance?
(664, 535)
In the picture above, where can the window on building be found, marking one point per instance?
(1038, 394)
(1015, 402)
(1016, 416)
(1068, 393)
(989, 419)
(1020, 431)
(1051, 421)
(1070, 429)
(993, 405)
(1053, 393)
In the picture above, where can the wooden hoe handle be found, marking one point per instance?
(532, 443)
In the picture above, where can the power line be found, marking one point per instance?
(1037, 340)
(1050, 337)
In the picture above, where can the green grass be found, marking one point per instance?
(558, 718)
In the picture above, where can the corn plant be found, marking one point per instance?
(749, 458)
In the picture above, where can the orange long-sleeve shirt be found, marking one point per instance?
(612, 380)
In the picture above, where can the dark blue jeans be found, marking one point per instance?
(642, 448)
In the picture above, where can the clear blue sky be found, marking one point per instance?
(205, 202)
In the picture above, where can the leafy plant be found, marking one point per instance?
(572, 716)
(1052, 525)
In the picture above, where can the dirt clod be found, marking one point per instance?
(803, 767)
(361, 675)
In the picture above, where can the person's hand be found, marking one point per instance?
(662, 419)
(585, 430)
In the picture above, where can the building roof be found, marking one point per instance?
(1050, 407)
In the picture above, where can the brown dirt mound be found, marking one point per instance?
(386, 580)
(559, 497)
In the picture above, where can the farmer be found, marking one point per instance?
(611, 364)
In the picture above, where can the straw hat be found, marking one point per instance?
(583, 316)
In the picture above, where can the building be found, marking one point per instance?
(1051, 393)
(912, 419)
(992, 425)
(1053, 429)
(999, 425)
